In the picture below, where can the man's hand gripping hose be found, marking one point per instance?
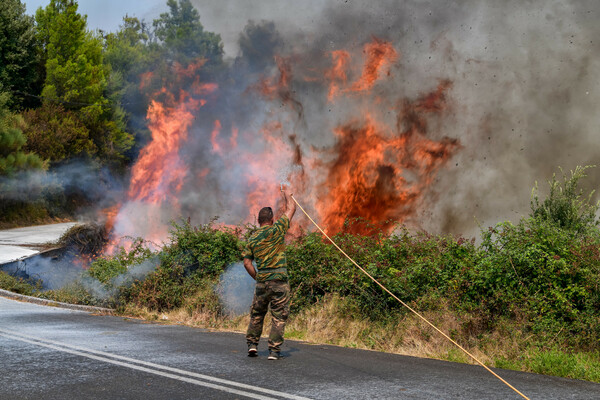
(406, 305)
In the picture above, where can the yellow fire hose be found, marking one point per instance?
(406, 305)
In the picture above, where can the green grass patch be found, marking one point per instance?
(456, 355)
(295, 334)
(556, 362)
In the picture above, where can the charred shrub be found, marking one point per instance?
(88, 239)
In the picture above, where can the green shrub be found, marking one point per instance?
(205, 248)
(541, 273)
(193, 255)
(74, 293)
(416, 268)
(164, 289)
(566, 205)
(17, 285)
(105, 269)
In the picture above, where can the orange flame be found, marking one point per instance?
(146, 79)
(279, 88)
(374, 171)
(337, 74)
(158, 171)
(379, 53)
(234, 137)
(379, 175)
(216, 148)
(158, 175)
(110, 214)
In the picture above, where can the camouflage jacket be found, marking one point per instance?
(266, 247)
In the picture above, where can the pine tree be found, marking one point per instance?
(76, 76)
(183, 37)
(18, 55)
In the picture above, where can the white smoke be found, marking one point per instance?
(235, 289)
(136, 272)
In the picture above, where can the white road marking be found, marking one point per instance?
(128, 363)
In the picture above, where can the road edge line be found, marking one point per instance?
(53, 303)
(253, 389)
(140, 368)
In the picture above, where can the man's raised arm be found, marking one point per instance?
(289, 203)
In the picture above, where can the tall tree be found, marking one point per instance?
(183, 37)
(76, 76)
(18, 55)
(127, 56)
(125, 50)
(56, 134)
(74, 70)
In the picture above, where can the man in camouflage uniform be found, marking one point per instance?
(267, 248)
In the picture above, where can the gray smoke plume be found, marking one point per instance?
(54, 273)
(137, 272)
(92, 186)
(38, 268)
(522, 103)
(525, 87)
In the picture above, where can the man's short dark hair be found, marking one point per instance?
(265, 215)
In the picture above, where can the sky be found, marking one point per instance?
(108, 14)
(225, 17)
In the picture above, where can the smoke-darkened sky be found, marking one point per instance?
(526, 86)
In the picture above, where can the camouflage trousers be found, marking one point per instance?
(277, 295)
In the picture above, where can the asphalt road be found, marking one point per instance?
(51, 353)
(17, 243)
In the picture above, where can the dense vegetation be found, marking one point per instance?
(534, 284)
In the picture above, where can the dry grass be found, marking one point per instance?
(333, 321)
(329, 322)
